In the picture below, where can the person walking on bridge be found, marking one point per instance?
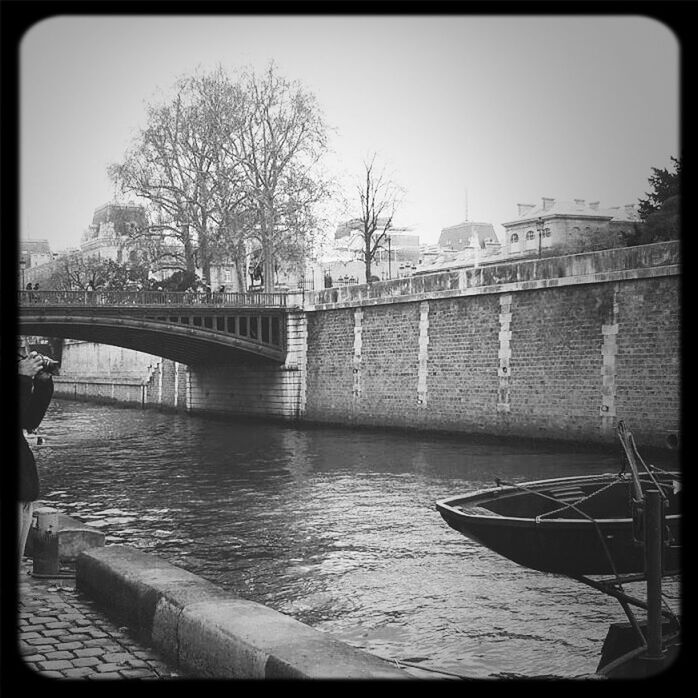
(35, 393)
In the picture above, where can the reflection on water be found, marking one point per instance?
(336, 528)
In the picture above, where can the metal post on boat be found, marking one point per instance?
(654, 527)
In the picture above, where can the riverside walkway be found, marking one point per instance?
(62, 634)
(65, 635)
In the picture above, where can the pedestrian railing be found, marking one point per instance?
(153, 298)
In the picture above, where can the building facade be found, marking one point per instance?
(567, 226)
(108, 236)
(33, 253)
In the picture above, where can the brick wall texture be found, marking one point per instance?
(558, 344)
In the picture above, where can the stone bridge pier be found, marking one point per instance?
(245, 385)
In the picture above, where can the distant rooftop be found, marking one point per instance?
(458, 236)
(34, 247)
(549, 208)
(356, 224)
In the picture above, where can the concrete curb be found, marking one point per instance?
(207, 632)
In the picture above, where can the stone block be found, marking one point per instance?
(209, 632)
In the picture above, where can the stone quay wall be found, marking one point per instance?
(557, 348)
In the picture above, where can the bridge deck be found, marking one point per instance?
(154, 298)
(187, 325)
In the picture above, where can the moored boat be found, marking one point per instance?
(624, 527)
(584, 525)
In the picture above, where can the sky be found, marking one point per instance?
(470, 115)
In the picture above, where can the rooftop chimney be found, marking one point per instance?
(525, 208)
(547, 203)
(594, 205)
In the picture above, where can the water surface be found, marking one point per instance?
(334, 527)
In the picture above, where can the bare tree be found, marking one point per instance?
(175, 166)
(279, 144)
(75, 272)
(379, 197)
(230, 168)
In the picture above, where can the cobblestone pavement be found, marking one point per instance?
(63, 635)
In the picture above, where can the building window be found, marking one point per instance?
(531, 241)
(514, 239)
(546, 233)
(228, 276)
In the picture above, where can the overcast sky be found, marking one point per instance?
(492, 110)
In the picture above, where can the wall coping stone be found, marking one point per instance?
(603, 266)
(210, 633)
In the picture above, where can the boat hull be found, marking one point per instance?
(518, 524)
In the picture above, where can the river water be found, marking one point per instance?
(334, 527)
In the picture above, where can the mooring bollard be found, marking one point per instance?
(45, 549)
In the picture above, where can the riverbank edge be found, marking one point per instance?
(533, 442)
(207, 632)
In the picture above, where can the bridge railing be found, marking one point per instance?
(153, 298)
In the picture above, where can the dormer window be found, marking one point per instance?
(514, 238)
(530, 235)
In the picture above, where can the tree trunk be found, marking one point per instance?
(268, 269)
(205, 259)
(240, 276)
(267, 246)
(188, 251)
(367, 260)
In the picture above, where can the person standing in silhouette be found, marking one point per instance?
(35, 393)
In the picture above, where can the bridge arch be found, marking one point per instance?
(182, 343)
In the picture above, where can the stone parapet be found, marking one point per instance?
(618, 264)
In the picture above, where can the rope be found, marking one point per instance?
(579, 501)
(579, 511)
(399, 663)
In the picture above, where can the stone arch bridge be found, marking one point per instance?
(193, 329)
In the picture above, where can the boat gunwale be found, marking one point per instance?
(447, 505)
